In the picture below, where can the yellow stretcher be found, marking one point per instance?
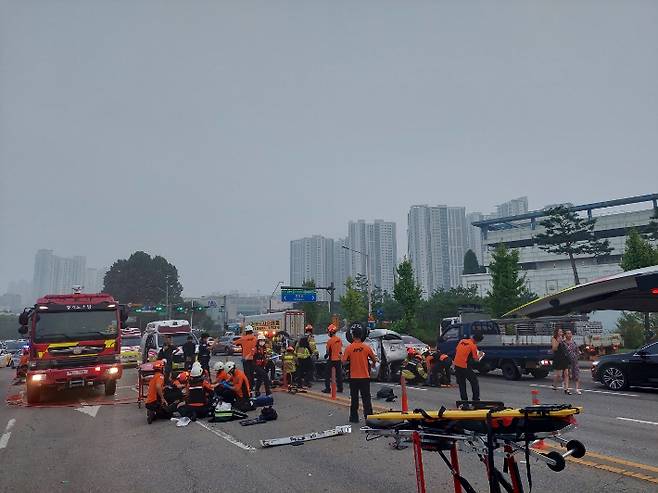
(484, 428)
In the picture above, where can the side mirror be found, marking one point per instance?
(24, 318)
(642, 354)
(22, 329)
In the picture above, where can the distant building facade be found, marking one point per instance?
(437, 239)
(55, 274)
(548, 273)
(312, 259)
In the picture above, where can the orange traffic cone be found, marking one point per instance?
(538, 444)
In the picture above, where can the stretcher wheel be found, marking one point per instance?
(577, 449)
(560, 463)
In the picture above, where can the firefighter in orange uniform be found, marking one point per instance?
(156, 404)
(466, 355)
(333, 354)
(361, 358)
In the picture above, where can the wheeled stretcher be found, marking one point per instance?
(487, 429)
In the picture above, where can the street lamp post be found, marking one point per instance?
(367, 277)
(167, 296)
(272, 295)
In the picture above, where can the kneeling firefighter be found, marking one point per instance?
(199, 391)
(413, 368)
(157, 406)
(237, 389)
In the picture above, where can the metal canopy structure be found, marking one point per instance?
(635, 290)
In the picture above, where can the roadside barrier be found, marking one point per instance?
(333, 382)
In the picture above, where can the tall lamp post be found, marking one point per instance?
(367, 277)
(272, 295)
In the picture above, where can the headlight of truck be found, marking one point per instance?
(113, 371)
(38, 377)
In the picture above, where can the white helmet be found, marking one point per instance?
(196, 370)
(219, 366)
(229, 366)
(261, 337)
(248, 329)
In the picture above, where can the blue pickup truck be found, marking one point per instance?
(500, 351)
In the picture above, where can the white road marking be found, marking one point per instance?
(227, 437)
(4, 440)
(621, 394)
(408, 386)
(86, 409)
(639, 421)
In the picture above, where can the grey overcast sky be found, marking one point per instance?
(214, 132)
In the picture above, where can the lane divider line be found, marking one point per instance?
(639, 421)
(229, 438)
(607, 392)
(4, 440)
(10, 425)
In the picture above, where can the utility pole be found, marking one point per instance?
(272, 295)
(167, 296)
(192, 315)
(367, 257)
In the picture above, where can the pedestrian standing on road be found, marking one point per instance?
(289, 365)
(560, 359)
(305, 370)
(573, 353)
(166, 353)
(313, 348)
(466, 355)
(361, 358)
(333, 354)
(189, 351)
(247, 342)
(204, 354)
(260, 363)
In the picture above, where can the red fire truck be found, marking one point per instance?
(75, 341)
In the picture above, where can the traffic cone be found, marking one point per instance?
(403, 386)
(538, 444)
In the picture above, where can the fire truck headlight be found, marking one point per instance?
(113, 371)
(38, 377)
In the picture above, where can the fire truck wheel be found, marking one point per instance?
(33, 394)
(110, 387)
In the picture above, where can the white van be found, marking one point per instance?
(153, 340)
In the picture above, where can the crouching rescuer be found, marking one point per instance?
(156, 404)
(199, 392)
(236, 390)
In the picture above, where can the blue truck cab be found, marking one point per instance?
(500, 351)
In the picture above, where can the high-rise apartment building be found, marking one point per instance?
(514, 207)
(341, 266)
(437, 237)
(474, 236)
(53, 274)
(312, 259)
(377, 241)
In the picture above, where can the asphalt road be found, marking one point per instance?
(82, 441)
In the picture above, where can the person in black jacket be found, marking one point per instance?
(167, 353)
(189, 351)
(204, 354)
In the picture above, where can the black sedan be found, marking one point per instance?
(623, 370)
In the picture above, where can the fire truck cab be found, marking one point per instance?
(75, 341)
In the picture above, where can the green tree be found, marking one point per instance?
(444, 303)
(354, 309)
(639, 253)
(143, 279)
(408, 293)
(393, 310)
(508, 287)
(568, 234)
(471, 264)
(631, 327)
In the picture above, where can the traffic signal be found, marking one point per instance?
(180, 308)
(159, 308)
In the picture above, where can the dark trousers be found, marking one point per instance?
(205, 364)
(248, 367)
(189, 360)
(440, 374)
(270, 368)
(159, 411)
(262, 378)
(194, 412)
(305, 372)
(339, 375)
(360, 386)
(463, 374)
